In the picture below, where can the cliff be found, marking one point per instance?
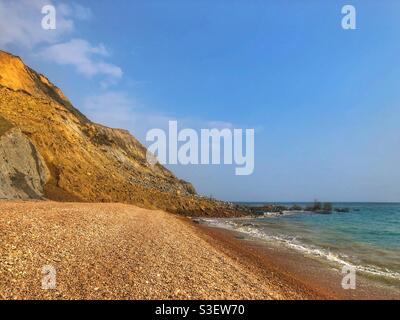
(81, 160)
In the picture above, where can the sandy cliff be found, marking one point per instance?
(87, 161)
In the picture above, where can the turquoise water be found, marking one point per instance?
(367, 237)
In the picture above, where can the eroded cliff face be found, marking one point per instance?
(23, 173)
(88, 161)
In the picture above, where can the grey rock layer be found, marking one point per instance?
(23, 172)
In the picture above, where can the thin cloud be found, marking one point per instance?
(86, 58)
(113, 108)
(21, 22)
(118, 109)
(21, 27)
(75, 10)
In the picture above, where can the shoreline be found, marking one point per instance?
(301, 271)
(107, 251)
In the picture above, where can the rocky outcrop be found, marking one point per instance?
(23, 173)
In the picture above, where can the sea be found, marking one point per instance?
(367, 237)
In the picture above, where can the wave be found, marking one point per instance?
(342, 260)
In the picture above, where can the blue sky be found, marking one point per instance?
(324, 101)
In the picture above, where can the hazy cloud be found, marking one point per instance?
(112, 108)
(75, 10)
(20, 26)
(120, 110)
(20, 22)
(86, 58)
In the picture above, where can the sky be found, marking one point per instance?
(324, 101)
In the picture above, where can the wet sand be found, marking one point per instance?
(297, 268)
(116, 251)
